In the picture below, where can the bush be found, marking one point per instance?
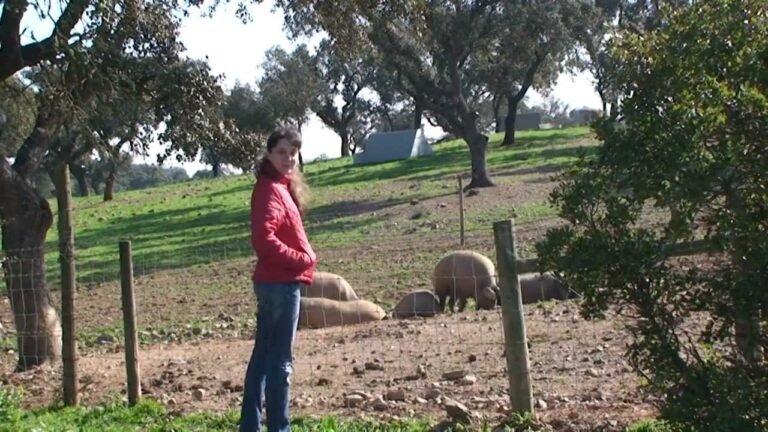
(689, 140)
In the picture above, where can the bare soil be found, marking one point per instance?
(579, 376)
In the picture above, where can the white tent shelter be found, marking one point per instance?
(396, 145)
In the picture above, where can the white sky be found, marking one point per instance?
(236, 50)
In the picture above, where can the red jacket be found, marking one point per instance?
(277, 233)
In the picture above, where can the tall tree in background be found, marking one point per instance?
(343, 75)
(289, 86)
(534, 40)
(430, 48)
(253, 118)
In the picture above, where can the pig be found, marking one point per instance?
(416, 303)
(318, 312)
(464, 274)
(330, 286)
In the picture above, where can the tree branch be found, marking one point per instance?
(13, 56)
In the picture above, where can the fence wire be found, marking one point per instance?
(391, 352)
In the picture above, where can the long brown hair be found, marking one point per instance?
(297, 187)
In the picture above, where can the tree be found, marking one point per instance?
(253, 118)
(19, 105)
(533, 43)
(114, 38)
(430, 48)
(342, 76)
(290, 86)
(690, 141)
(394, 109)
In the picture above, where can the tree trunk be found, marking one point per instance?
(509, 122)
(496, 110)
(80, 174)
(26, 218)
(216, 169)
(109, 185)
(301, 162)
(344, 143)
(478, 146)
(418, 112)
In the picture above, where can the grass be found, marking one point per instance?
(191, 239)
(201, 221)
(150, 416)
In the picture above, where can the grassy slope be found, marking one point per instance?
(195, 222)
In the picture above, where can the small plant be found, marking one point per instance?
(10, 401)
(524, 422)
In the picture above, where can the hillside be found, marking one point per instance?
(191, 239)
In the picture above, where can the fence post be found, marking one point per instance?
(67, 264)
(129, 322)
(461, 208)
(515, 339)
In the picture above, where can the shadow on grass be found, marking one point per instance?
(161, 240)
(349, 208)
(162, 244)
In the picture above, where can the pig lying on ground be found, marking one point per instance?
(318, 312)
(535, 287)
(416, 303)
(330, 286)
(464, 274)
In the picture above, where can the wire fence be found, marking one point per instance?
(387, 349)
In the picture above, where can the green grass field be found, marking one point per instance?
(196, 222)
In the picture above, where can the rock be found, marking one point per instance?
(457, 411)
(353, 400)
(593, 372)
(372, 366)
(467, 380)
(420, 400)
(198, 394)
(105, 339)
(454, 375)
(541, 404)
(433, 394)
(421, 371)
(395, 395)
(379, 404)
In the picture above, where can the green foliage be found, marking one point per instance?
(19, 105)
(690, 141)
(656, 426)
(10, 401)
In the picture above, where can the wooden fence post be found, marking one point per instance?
(515, 339)
(129, 323)
(67, 263)
(461, 208)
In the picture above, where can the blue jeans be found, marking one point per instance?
(271, 362)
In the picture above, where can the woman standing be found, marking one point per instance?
(285, 261)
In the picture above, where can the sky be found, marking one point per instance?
(236, 50)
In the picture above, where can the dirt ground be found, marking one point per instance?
(579, 377)
(386, 369)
